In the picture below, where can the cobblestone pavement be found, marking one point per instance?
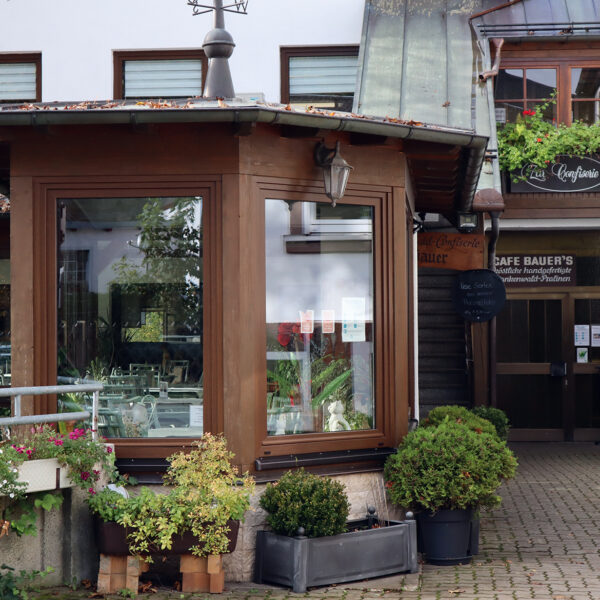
(543, 543)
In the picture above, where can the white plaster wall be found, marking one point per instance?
(77, 37)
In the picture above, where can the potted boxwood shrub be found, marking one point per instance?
(445, 473)
(312, 543)
(197, 515)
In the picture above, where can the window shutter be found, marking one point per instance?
(17, 81)
(313, 75)
(162, 78)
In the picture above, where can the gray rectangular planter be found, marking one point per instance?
(301, 562)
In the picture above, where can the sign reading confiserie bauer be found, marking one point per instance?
(536, 270)
(450, 250)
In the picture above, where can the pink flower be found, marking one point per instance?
(85, 475)
(58, 442)
(30, 452)
(96, 472)
(92, 491)
(109, 449)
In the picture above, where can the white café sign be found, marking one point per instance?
(566, 174)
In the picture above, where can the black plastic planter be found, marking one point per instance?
(301, 562)
(111, 538)
(448, 537)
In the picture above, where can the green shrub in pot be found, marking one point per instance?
(450, 466)
(496, 417)
(458, 414)
(302, 499)
(205, 494)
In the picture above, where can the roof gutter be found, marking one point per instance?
(474, 144)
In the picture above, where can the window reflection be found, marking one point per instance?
(130, 311)
(319, 317)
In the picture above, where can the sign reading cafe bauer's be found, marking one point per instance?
(566, 174)
(536, 270)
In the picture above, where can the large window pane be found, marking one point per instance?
(319, 315)
(588, 112)
(585, 83)
(509, 84)
(130, 311)
(540, 82)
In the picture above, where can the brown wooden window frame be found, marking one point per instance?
(287, 52)
(26, 57)
(122, 56)
(391, 381)
(558, 55)
(46, 199)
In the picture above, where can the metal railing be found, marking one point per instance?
(74, 386)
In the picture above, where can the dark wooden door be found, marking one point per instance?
(532, 366)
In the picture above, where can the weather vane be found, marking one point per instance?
(218, 46)
(240, 7)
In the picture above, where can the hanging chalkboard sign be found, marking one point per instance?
(478, 295)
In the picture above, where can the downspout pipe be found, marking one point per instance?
(498, 43)
(495, 232)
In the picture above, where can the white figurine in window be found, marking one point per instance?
(336, 420)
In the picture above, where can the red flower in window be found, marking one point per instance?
(287, 332)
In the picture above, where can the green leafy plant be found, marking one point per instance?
(496, 417)
(14, 584)
(531, 140)
(302, 499)
(206, 493)
(22, 514)
(448, 467)
(458, 414)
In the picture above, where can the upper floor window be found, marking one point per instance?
(531, 72)
(159, 74)
(21, 77)
(321, 76)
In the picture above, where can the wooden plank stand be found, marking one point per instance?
(202, 574)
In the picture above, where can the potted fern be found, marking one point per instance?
(312, 543)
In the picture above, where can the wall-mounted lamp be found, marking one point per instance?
(467, 222)
(336, 170)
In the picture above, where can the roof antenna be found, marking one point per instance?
(218, 46)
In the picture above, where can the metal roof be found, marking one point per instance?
(420, 60)
(534, 19)
(446, 160)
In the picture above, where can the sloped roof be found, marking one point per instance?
(446, 161)
(534, 19)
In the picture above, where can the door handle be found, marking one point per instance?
(558, 369)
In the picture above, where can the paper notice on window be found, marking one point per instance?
(582, 335)
(582, 355)
(328, 321)
(307, 321)
(196, 415)
(596, 335)
(353, 319)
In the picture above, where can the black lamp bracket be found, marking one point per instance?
(324, 155)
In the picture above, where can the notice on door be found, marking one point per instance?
(582, 335)
(536, 270)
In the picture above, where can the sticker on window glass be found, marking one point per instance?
(328, 320)
(582, 355)
(353, 319)
(307, 321)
